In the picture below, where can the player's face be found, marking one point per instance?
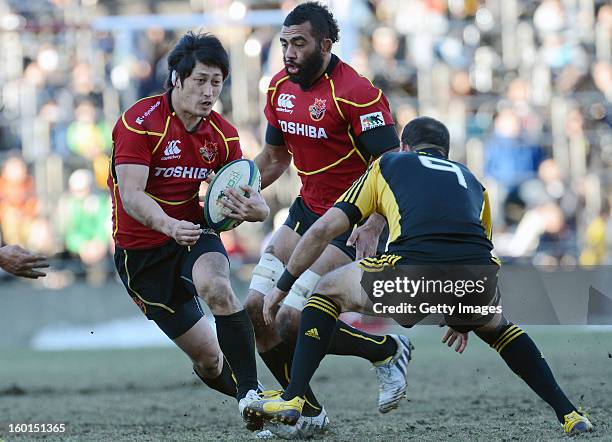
(199, 92)
(303, 55)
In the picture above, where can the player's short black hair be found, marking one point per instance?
(191, 48)
(322, 21)
(426, 131)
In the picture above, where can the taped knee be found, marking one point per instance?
(266, 273)
(302, 289)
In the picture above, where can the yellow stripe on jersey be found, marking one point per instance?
(369, 103)
(274, 89)
(224, 139)
(348, 131)
(485, 215)
(333, 91)
(173, 203)
(116, 214)
(371, 193)
(377, 264)
(162, 136)
(329, 166)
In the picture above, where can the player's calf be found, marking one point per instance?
(526, 360)
(287, 324)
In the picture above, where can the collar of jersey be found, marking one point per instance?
(330, 67)
(431, 151)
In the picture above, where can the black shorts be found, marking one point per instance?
(469, 288)
(301, 218)
(160, 281)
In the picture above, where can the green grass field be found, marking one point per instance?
(149, 394)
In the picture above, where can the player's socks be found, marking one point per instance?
(317, 328)
(278, 359)
(350, 341)
(224, 383)
(525, 359)
(237, 341)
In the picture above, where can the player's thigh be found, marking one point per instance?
(331, 259)
(343, 285)
(282, 244)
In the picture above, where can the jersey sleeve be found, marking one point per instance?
(130, 146)
(365, 107)
(361, 199)
(269, 108)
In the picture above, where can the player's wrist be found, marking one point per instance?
(285, 282)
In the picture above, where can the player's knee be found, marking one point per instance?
(492, 329)
(330, 287)
(217, 292)
(287, 323)
(254, 307)
(208, 364)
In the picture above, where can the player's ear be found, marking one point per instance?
(326, 45)
(174, 79)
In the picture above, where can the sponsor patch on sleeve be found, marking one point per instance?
(370, 121)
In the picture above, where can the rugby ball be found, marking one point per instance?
(231, 176)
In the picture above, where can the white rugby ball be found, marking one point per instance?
(231, 176)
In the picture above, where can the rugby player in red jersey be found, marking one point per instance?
(163, 148)
(332, 122)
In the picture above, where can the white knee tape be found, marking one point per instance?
(266, 273)
(302, 289)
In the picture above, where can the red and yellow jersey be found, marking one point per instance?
(151, 134)
(320, 126)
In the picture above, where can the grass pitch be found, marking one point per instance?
(149, 394)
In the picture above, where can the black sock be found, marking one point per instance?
(317, 328)
(237, 342)
(224, 383)
(350, 341)
(524, 358)
(278, 360)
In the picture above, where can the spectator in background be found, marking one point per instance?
(598, 239)
(509, 158)
(18, 202)
(90, 138)
(85, 218)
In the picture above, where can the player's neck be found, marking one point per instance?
(190, 121)
(324, 67)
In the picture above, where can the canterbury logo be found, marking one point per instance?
(172, 148)
(313, 333)
(284, 103)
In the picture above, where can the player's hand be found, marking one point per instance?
(251, 208)
(21, 262)
(271, 304)
(365, 239)
(185, 233)
(453, 335)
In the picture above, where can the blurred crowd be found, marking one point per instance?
(524, 87)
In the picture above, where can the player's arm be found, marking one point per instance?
(359, 201)
(132, 181)
(274, 159)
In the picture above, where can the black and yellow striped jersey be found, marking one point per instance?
(437, 211)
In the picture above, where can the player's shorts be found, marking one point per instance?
(301, 218)
(469, 287)
(160, 281)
